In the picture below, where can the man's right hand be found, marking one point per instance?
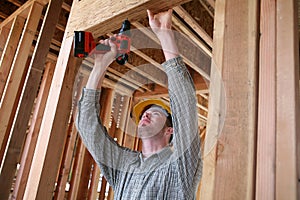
(102, 61)
(107, 58)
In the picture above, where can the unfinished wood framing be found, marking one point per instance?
(287, 109)
(55, 120)
(31, 139)
(33, 78)
(10, 49)
(131, 10)
(229, 149)
(266, 137)
(242, 55)
(67, 167)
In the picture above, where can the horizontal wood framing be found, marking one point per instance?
(112, 13)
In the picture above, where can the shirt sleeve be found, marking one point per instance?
(105, 151)
(187, 155)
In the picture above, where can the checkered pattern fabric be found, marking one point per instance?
(172, 173)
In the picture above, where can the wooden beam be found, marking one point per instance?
(129, 79)
(146, 57)
(29, 91)
(65, 167)
(70, 149)
(149, 74)
(229, 149)
(193, 51)
(15, 2)
(120, 78)
(4, 32)
(66, 6)
(93, 193)
(182, 27)
(108, 83)
(10, 99)
(3, 15)
(84, 179)
(51, 142)
(193, 24)
(77, 170)
(106, 101)
(265, 171)
(288, 101)
(159, 91)
(211, 3)
(31, 139)
(132, 10)
(22, 11)
(206, 5)
(185, 52)
(9, 50)
(130, 129)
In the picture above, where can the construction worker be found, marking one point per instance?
(162, 170)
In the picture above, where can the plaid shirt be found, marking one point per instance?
(172, 173)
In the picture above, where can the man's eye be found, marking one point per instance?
(156, 113)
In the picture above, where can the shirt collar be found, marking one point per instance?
(163, 154)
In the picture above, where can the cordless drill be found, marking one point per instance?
(85, 45)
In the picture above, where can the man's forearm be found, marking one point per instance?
(96, 77)
(102, 61)
(168, 44)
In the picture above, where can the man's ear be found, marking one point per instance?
(169, 130)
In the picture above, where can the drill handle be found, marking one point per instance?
(101, 48)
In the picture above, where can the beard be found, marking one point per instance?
(148, 131)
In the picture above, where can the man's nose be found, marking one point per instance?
(147, 114)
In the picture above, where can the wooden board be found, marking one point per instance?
(265, 172)
(228, 167)
(32, 135)
(9, 99)
(4, 31)
(18, 132)
(51, 141)
(288, 101)
(112, 13)
(9, 50)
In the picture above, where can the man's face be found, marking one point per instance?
(152, 122)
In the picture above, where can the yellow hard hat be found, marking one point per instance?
(140, 107)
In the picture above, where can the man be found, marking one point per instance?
(162, 170)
